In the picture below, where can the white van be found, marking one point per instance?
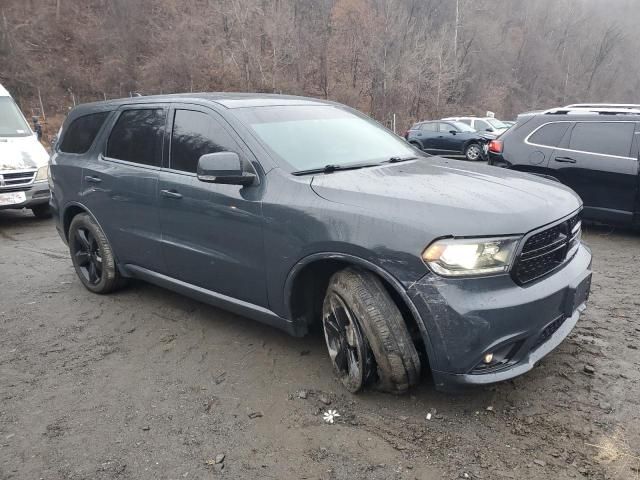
(23, 162)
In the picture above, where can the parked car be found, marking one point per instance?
(23, 162)
(448, 138)
(508, 123)
(299, 212)
(483, 124)
(592, 150)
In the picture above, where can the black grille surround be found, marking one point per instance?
(546, 250)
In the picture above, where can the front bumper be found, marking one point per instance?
(37, 193)
(465, 319)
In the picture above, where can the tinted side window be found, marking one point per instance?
(465, 120)
(550, 135)
(429, 127)
(481, 125)
(137, 137)
(82, 132)
(612, 138)
(196, 134)
(447, 127)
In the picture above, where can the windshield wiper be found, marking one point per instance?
(399, 159)
(334, 168)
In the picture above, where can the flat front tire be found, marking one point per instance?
(366, 336)
(92, 256)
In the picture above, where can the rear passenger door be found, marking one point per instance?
(211, 233)
(595, 160)
(448, 142)
(428, 135)
(120, 185)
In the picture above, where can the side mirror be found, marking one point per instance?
(490, 130)
(224, 168)
(453, 132)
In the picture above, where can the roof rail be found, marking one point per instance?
(570, 110)
(604, 105)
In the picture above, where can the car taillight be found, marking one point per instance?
(495, 146)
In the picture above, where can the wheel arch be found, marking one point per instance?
(308, 280)
(70, 211)
(477, 141)
(73, 209)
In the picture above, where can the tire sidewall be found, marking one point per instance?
(42, 211)
(109, 270)
(390, 342)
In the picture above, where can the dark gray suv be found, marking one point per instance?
(300, 212)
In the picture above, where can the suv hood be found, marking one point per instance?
(450, 197)
(18, 153)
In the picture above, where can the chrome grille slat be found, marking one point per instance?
(14, 179)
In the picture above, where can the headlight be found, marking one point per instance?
(470, 256)
(43, 174)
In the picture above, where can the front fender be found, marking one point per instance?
(391, 280)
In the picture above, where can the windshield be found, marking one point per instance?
(311, 137)
(496, 123)
(12, 123)
(463, 127)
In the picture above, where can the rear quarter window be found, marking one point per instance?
(481, 125)
(550, 135)
(82, 132)
(429, 127)
(608, 138)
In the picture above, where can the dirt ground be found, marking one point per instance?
(146, 384)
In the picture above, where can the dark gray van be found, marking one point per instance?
(299, 212)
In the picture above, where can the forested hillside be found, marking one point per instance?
(408, 57)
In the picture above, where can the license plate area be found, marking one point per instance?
(578, 295)
(12, 198)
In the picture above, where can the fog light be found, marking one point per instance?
(488, 358)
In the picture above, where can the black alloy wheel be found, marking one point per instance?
(348, 349)
(87, 255)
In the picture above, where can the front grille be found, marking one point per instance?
(13, 180)
(547, 250)
(548, 331)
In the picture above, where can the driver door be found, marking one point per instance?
(449, 138)
(211, 233)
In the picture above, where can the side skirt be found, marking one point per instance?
(224, 302)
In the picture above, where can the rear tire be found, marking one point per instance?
(42, 211)
(473, 152)
(375, 343)
(92, 256)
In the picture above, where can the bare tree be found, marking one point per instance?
(414, 59)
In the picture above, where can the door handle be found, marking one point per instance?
(170, 194)
(91, 179)
(565, 160)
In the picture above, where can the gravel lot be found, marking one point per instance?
(146, 384)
